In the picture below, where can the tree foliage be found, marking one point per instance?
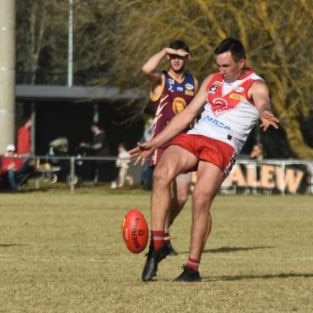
(112, 40)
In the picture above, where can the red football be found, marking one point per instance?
(135, 231)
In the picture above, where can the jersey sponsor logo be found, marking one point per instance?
(178, 104)
(171, 85)
(189, 93)
(214, 121)
(236, 96)
(180, 89)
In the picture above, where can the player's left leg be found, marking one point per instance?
(180, 193)
(208, 183)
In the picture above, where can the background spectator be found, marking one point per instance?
(97, 147)
(15, 169)
(24, 138)
(122, 162)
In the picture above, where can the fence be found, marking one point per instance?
(247, 176)
(285, 176)
(270, 177)
(49, 168)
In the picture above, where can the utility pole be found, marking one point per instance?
(70, 45)
(7, 73)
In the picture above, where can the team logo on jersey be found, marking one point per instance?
(189, 86)
(213, 88)
(178, 105)
(219, 105)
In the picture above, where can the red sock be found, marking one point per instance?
(193, 264)
(157, 239)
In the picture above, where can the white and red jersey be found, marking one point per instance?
(229, 115)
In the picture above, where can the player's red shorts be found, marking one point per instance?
(207, 149)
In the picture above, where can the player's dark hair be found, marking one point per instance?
(179, 44)
(233, 45)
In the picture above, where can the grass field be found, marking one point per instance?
(63, 253)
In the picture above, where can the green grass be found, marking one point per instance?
(63, 252)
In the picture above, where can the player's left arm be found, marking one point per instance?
(260, 95)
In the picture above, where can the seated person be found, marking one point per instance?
(122, 162)
(14, 168)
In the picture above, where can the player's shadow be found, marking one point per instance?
(8, 245)
(265, 276)
(247, 277)
(234, 249)
(206, 279)
(229, 249)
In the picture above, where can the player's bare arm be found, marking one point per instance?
(260, 94)
(150, 66)
(156, 76)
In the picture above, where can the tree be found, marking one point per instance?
(42, 41)
(112, 39)
(275, 33)
(36, 21)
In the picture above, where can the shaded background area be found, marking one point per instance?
(73, 120)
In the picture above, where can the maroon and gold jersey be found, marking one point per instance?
(174, 97)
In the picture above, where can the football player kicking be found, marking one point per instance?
(231, 102)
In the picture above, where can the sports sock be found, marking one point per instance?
(193, 264)
(157, 239)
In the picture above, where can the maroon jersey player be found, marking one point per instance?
(171, 91)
